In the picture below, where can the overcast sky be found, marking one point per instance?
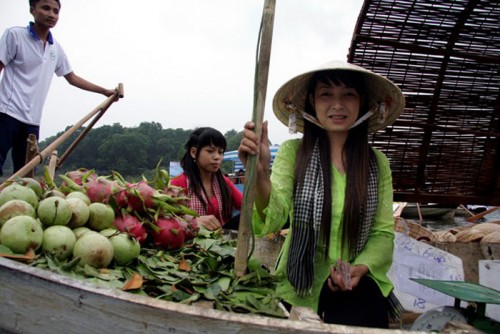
(185, 63)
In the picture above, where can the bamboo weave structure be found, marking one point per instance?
(445, 57)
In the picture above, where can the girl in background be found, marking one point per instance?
(211, 194)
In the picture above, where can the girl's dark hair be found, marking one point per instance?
(34, 2)
(357, 155)
(199, 138)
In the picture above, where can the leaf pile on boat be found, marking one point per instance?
(200, 270)
(144, 241)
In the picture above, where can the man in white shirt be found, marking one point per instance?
(29, 57)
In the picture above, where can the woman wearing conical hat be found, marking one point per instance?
(334, 189)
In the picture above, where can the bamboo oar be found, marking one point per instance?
(80, 137)
(260, 88)
(48, 150)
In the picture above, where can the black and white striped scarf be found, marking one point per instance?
(308, 209)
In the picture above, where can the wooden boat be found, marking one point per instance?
(39, 301)
(429, 210)
(34, 300)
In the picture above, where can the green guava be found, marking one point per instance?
(21, 233)
(54, 211)
(17, 191)
(101, 217)
(93, 249)
(125, 248)
(15, 207)
(80, 212)
(58, 240)
(80, 231)
(80, 195)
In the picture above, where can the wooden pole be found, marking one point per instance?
(466, 210)
(52, 164)
(89, 127)
(482, 214)
(260, 88)
(419, 213)
(399, 209)
(48, 150)
(80, 137)
(31, 152)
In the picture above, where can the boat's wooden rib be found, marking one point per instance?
(38, 301)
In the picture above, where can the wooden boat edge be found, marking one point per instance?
(37, 300)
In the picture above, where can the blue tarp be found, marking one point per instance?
(237, 165)
(175, 168)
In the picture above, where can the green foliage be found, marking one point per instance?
(202, 270)
(131, 151)
(233, 139)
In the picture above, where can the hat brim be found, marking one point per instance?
(380, 90)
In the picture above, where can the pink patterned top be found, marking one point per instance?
(215, 203)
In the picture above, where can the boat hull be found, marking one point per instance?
(427, 211)
(39, 301)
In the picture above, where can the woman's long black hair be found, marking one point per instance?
(199, 138)
(357, 155)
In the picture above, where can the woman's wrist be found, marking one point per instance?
(361, 269)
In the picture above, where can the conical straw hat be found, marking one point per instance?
(386, 100)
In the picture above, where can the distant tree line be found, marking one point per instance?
(132, 152)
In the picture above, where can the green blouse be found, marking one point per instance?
(378, 251)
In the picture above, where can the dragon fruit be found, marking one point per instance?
(170, 234)
(130, 224)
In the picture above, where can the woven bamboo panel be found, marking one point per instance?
(445, 57)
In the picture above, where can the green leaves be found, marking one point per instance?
(5, 250)
(202, 270)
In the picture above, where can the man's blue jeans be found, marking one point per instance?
(14, 134)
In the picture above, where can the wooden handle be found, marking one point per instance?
(120, 91)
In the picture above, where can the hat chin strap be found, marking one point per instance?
(362, 119)
(313, 119)
(289, 105)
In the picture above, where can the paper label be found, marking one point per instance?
(416, 259)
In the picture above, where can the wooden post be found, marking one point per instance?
(31, 153)
(260, 88)
(421, 220)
